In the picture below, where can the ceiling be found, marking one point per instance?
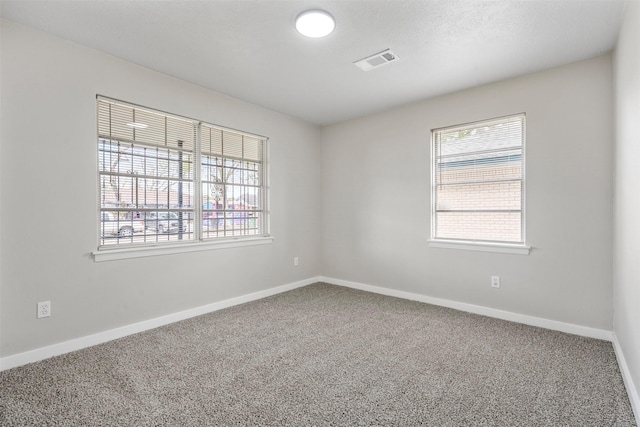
(249, 49)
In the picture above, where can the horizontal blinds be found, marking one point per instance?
(221, 142)
(478, 180)
(128, 123)
(481, 144)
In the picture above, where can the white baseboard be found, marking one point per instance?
(632, 391)
(42, 353)
(101, 337)
(478, 309)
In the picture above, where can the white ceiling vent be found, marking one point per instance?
(377, 60)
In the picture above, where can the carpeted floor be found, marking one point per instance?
(324, 355)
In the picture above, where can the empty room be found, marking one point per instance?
(320, 213)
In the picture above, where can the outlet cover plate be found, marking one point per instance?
(495, 281)
(44, 309)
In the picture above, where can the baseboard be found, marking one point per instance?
(477, 309)
(101, 337)
(42, 353)
(632, 391)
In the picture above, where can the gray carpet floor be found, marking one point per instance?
(324, 355)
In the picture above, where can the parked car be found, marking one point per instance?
(111, 225)
(134, 215)
(163, 222)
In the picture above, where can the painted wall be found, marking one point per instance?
(626, 286)
(49, 196)
(376, 198)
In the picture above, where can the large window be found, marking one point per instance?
(167, 179)
(478, 181)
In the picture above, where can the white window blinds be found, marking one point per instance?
(478, 181)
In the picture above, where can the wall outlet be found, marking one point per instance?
(44, 309)
(495, 281)
(296, 261)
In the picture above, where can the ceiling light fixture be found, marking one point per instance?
(315, 23)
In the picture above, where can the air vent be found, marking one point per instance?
(377, 60)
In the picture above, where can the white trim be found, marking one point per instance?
(555, 325)
(145, 251)
(481, 246)
(632, 391)
(42, 353)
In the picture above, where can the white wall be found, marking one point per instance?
(626, 286)
(49, 183)
(376, 198)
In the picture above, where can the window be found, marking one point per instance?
(232, 184)
(478, 182)
(170, 179)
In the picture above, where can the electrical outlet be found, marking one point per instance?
(296, 262)
(495, 281)
(44, 309)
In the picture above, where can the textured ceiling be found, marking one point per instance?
(250, 50)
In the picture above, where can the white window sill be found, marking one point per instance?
(168, 249)
(481, 246)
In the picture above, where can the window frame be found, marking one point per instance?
(199, 242)
(520, 248)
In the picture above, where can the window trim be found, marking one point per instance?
(199, 243)
(520, 248)
(480, 246)
(177, 248)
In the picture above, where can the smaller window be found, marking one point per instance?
(478, 181)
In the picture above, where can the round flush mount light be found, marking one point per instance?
(315, 23)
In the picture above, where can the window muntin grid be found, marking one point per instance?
(149, 184)
(478, 181)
